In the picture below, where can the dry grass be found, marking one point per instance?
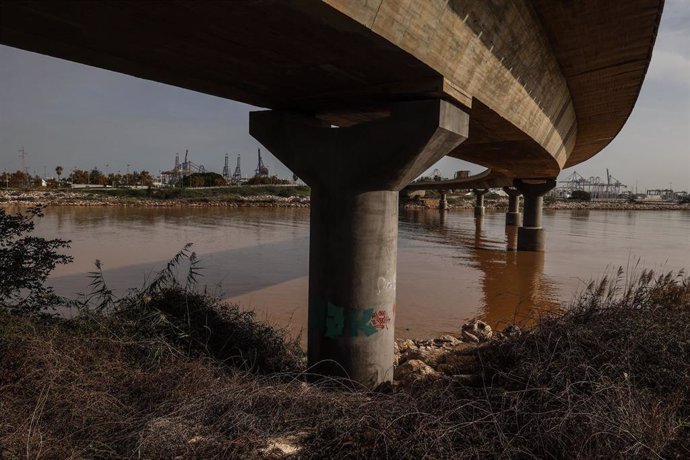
(609, 378)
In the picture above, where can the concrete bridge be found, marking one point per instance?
(367, 94)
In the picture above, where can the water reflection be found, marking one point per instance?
(513, 284)
(511, 237)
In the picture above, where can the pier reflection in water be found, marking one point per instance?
(451, 267)
(512, 285)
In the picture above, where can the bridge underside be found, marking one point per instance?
(347, 62)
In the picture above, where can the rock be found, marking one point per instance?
(446, 340)
(430, 356)
(412, 371)
(405, 344)
(476, 331)
(512, 330)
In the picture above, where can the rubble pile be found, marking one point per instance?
(448, 356)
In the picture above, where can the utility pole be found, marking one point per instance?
(127, 176)
(23, 154)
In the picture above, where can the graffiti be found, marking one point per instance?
(353, 322)
(383, 285)
(380, 319)
(335, 321)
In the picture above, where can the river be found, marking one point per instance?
(450, 267)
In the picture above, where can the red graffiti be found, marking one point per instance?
(380, 319)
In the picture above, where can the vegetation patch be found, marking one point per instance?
(187, 194)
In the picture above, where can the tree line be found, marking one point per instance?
(21, 179)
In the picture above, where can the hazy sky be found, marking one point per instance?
(79, 116)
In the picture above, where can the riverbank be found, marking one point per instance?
(274, 196)
(501, 204)
(240, 196)
(171, 373)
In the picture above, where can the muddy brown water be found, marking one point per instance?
(451, 267)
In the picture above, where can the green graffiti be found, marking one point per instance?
(335, 320)
(358, 321)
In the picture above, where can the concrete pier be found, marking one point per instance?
(513, 216)
(531, 236)
(511, 237)
(355, 174)
(443, 200)
(479, 205)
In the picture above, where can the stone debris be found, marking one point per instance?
(476, 331)
(412, 371)
(448, 356)
(70, 198)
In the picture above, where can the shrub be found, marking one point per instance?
(581, 195)
(25, 263)
(266, 180)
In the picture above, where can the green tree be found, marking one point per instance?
(581, 195)
(58, 171)
(25, 263)
(79, 176)
(96, 177)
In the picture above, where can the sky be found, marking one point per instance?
(68, 114)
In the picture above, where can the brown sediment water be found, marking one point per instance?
(451, 267)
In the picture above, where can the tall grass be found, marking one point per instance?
(171, 372)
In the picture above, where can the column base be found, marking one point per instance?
(513, 218)
(479, 210)
(531, 239)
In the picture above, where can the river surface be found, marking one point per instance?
(451, 267)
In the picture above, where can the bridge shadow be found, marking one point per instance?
(227, 273)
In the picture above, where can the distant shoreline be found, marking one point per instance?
(269, 196)
(294, 197)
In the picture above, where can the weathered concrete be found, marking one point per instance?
(355, 174)
(531, 236)
(547, 83)
(479, 205)
(511, 237)
(513, 216)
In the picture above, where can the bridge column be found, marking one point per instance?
(479, 206)
(356, 174)
(443, 201)
(531, 236)
(513, 215)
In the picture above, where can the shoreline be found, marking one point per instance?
(232, 200)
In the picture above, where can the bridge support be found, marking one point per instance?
(443, 201)
(355, 174)
(531, 236)
(513, 216)
(479, 206)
